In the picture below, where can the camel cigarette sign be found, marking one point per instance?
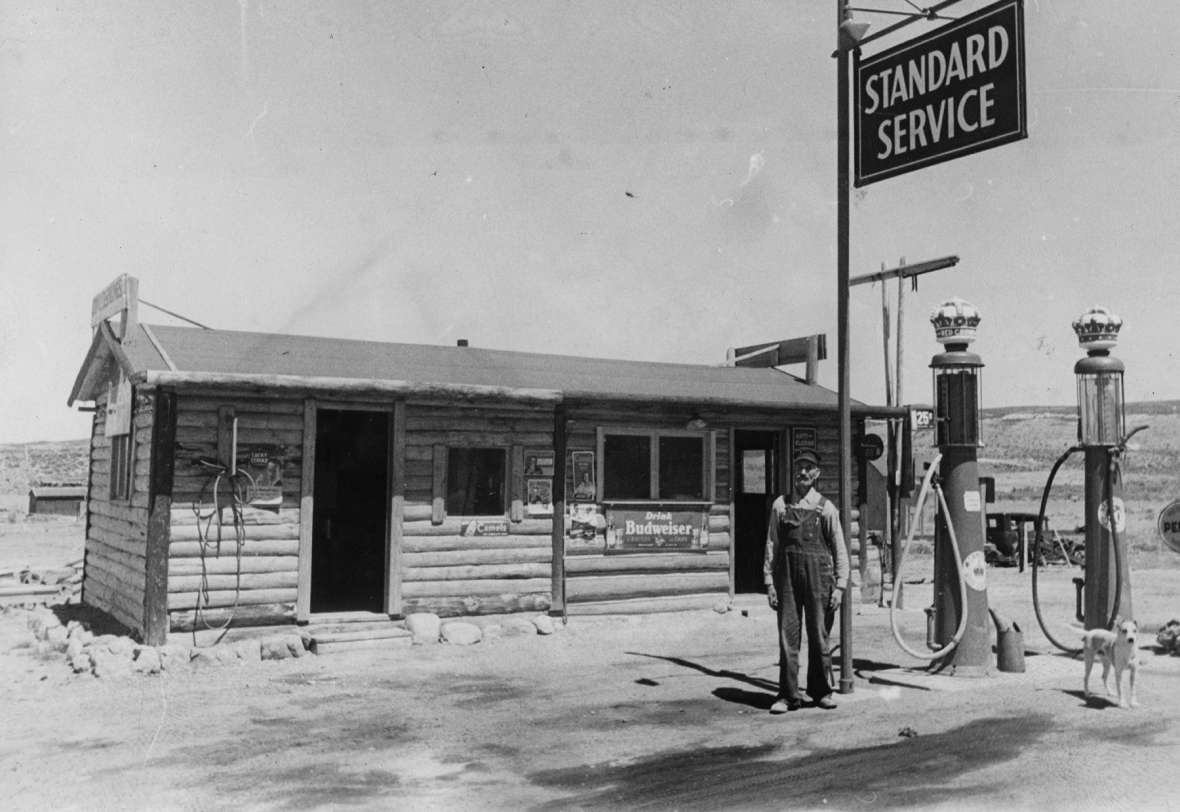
(954, 92)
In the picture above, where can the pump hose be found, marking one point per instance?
(1037, 550)
(1112, 471)
(899, 582)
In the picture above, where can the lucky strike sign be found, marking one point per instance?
(956, 91)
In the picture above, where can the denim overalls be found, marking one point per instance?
(804, 577)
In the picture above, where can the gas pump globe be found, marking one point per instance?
(957, 379)
(1101, 412)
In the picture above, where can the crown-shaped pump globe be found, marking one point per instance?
(955, 322)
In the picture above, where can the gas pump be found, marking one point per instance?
(958, 630)
(1104, 594)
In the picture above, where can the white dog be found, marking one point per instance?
(1119, 652)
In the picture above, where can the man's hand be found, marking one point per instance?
(771, 596)
(837, 596)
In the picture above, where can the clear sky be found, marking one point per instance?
(647, 180)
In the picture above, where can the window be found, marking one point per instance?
(118, 429)
(121, 466)
(668, 466)
(475, 481)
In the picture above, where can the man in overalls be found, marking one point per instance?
(806, 573)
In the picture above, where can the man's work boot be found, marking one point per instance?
(782, 705)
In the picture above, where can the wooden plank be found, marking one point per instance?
(516, 483)
(161, 469)
(306, 512)
(477, 587)
(103, 597)
(416, 512)
(438, 491)
(245, 581)
(454, 526)
(183, 516)
(111, 572)
(183, 550)
(653, 563)
(229, 562)
(225, 434)
(477, 572)
(397, 454)
(264, 614)
(470, 605)
(230, 597)
(614, 587)
(445, 558)
(472, 439)
(561, 430)
(253, 532)
(423, 544)
(643, 606)
(132, 561)
(251, 405)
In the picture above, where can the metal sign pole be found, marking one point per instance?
(843, 193)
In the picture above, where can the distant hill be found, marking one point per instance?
(1139, 407)
(23, 465)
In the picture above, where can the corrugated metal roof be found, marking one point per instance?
(180, 354)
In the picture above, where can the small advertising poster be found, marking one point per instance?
(585, 529)
(582, 468)
(656, 530)
(264, 466)
(540, 497)
(484, 527)
(803, 438)
(538, 462)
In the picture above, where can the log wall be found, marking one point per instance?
(116, 535)
(444, 571)
(251, 575)
(597, 583)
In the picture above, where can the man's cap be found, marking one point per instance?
(806, 455)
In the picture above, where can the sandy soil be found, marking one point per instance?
(665, 711)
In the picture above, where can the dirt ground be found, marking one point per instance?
(661, 711)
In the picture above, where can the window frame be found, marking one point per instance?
(506, 495)
(123, 457)
(708, 438)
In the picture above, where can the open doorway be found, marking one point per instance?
(757, 474)
(351, 513)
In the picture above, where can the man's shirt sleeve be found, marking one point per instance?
(771, 543)
(834, 534)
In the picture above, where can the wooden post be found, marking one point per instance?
(560, 430)
(438, 500)
(397, 508)
(155, 588)
(306, 513)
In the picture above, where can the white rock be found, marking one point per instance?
(722, 606)
(515, 626)
(174, 656)
(424, 626)
(147, 661)
(461, 633)
(544, 624)
(274, 647)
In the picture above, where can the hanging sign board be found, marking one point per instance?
(954, 92)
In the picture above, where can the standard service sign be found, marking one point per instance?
(953, 92)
